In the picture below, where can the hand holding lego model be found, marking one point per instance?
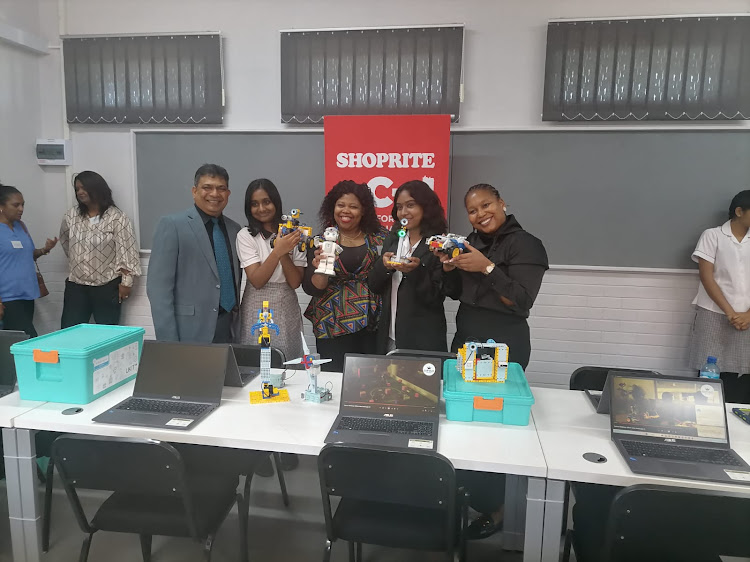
(329, 250)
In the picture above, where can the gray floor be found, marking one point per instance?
(276, 533)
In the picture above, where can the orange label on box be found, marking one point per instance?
(46, 356)
(488, 403)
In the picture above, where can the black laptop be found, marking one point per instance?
(7, 362)
(178, 385)
(600, 400)
(674, 427)
(389, 401)
(247, 363)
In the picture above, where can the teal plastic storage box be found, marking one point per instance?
(78, 364)
(506, 402)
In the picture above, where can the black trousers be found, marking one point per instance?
(81, 301)
(486, 489)
(19, 315)
(363, 341)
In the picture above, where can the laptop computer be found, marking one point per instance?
(247, 362)
(178, 385)
(439, 356)
(674, 427)
(7, 362)
(600, 400)
(388, 401)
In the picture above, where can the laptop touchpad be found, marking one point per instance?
(688, 470)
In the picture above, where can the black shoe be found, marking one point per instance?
(482, 527)
(265, 468)
(289, 461)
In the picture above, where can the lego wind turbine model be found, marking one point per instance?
(312, 363)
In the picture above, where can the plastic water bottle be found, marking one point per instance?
(710, 370)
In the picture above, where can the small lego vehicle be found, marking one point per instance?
(451, 244)
(483, 362)
(290, 223)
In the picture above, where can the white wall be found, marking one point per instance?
(640, 319)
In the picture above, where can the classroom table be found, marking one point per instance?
(293, 427)
(568, 426)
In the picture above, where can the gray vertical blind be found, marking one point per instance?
(144, 79)
(370, 72)
(648, 69)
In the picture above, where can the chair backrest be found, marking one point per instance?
(248, 355)
(664, 523)
(132, 466)
(442, 355)
(594, 378)
(418, 479)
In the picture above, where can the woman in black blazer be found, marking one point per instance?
(412, 316)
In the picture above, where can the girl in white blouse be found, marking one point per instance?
(723, 301)
(273, 274)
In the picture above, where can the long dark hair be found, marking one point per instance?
(97, 188)
(369, 222)
(254, 225)
(433, 215)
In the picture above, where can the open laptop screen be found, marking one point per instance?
(181, 371)
(690, 410)
(376, 383)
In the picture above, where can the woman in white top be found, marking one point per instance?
(723, 301)
(273, 274)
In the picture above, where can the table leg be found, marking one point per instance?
(532, 545)
(553, 519)
(514, 520)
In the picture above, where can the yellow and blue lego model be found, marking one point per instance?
(483, 362)
(263, 327)
(289, 223)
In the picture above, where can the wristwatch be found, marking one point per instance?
(489, 269)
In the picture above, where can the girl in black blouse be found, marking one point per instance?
(497, 281)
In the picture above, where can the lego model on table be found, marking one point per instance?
(312, 363)
(289, 223)
(451, 244)
(483, 362)
(330, 249)
(263, 327)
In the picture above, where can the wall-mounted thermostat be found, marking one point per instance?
(53, 152)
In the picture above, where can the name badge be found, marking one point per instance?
(17, 244)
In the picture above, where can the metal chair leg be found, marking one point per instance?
(327, 552)
(352, 555)
(566, 548)
(47, 505)
(243, 519)
(282, 482)
(85, 548)
(359, 552)
(146, 547)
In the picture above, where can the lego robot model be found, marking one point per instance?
(450, 244)
(263, 327)
(330, 249)
(403, 245)
(483, 362)
(312, 363)
(289, 223)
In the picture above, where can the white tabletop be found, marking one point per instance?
(568, 426)
(12, 406)
(300, 427)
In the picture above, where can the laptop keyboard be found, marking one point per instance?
(680, 453)
(400, 427)
(164, 407)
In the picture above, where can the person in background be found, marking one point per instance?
(497, 280)
(722, 315)
(193, 272)
(103, 254)
(413, 316)
(19, 286)
(349, 206)
(273, 274)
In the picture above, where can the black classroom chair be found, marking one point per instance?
(398, 499)
(152, 491)
(594, 378)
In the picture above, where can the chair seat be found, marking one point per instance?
(165, 515)
(391, 525)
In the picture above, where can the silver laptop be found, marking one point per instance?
(674, 427)
(7, 361)
(178, 385)
(388, 401)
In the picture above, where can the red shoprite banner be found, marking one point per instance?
(387, 151)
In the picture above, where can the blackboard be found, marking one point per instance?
(603, 198)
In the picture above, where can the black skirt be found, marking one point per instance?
(481, 324)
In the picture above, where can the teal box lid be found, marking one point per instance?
(515, 388)
(76, 341)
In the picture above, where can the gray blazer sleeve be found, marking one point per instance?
(160, 283)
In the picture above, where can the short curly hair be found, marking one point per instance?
(433, 215)
(369, 222)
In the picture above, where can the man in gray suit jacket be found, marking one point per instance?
(193, 272)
